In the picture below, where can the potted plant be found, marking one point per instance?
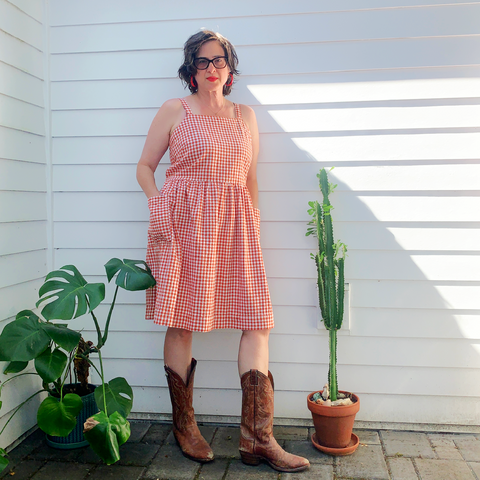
(333, 411)
(53, 347)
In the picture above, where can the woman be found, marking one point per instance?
(204, 246)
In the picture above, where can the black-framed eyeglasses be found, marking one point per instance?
(202, 63)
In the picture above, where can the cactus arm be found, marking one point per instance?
(321, 291)
(340, 292)
(330, 284)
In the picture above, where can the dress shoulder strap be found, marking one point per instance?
(238, 112)
(185, 106)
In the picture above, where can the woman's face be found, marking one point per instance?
(211, 78)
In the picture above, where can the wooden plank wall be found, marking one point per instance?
(385, 91)
(23, 184)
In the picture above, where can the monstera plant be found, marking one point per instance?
(54, 348)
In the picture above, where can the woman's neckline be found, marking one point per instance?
(188, 111)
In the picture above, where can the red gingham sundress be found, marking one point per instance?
(204, 234)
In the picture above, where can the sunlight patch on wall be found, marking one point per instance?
(380, 118)
(469, 326)
(366, 91)
(429, 146)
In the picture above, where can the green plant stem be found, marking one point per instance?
(105, 335)
(19, 407)
(332, 334)
(16, 376)
(91, 363)
(103, 384)
(99, 332)
(67, 370)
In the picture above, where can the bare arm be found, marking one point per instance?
(167, 118)
(249, 117)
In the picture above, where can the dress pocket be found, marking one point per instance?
(160, 228)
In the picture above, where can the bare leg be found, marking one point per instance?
(253, 351)
(177, 351)
(256, 428)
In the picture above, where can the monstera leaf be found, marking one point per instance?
(62, 336)
(3, 459)
(118, 394)
(57, 416)
(68, 294)
(15, 367)
(50, 365)
(106, 434)
(132, 274)
(23, 339)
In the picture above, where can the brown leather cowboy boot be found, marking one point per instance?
(256, 428)
(185, 428)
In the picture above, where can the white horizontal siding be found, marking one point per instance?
(34, 9)
(23, 186)
(292, 177)
(284, 206)
(22, 267)
(135, 121)
(383, 380)
(282, 235)
(22, 176)
(69, 13)
(378, 265)
(15, 298)
(386, 94)
(22, 206)
(274, 29)
(20, 55)
(415, 409)
(24, 27)
(327, 87)
(19, 237)
(290, 148)
(411, 322)
(18, 145)
(382, 294)
(362, 265)
(14, 83)
(21, 116)
(301, 349)
(263, 59)
(302, 320)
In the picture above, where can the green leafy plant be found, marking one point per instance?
(330, 262)
(66, 295)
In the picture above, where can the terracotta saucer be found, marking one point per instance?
(337, 452)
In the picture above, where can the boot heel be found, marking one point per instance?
(249, 458)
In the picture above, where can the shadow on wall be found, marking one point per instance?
(403, 145)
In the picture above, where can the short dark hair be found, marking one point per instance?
(190, 50)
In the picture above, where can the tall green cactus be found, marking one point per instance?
(330, 262)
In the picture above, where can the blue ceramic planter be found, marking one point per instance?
(75, 438)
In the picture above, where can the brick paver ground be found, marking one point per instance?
(151, 454)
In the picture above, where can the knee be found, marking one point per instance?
(257, 335)
(178, 335)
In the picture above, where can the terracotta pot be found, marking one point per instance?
(334, 425)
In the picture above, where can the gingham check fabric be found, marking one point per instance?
(204, 234)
